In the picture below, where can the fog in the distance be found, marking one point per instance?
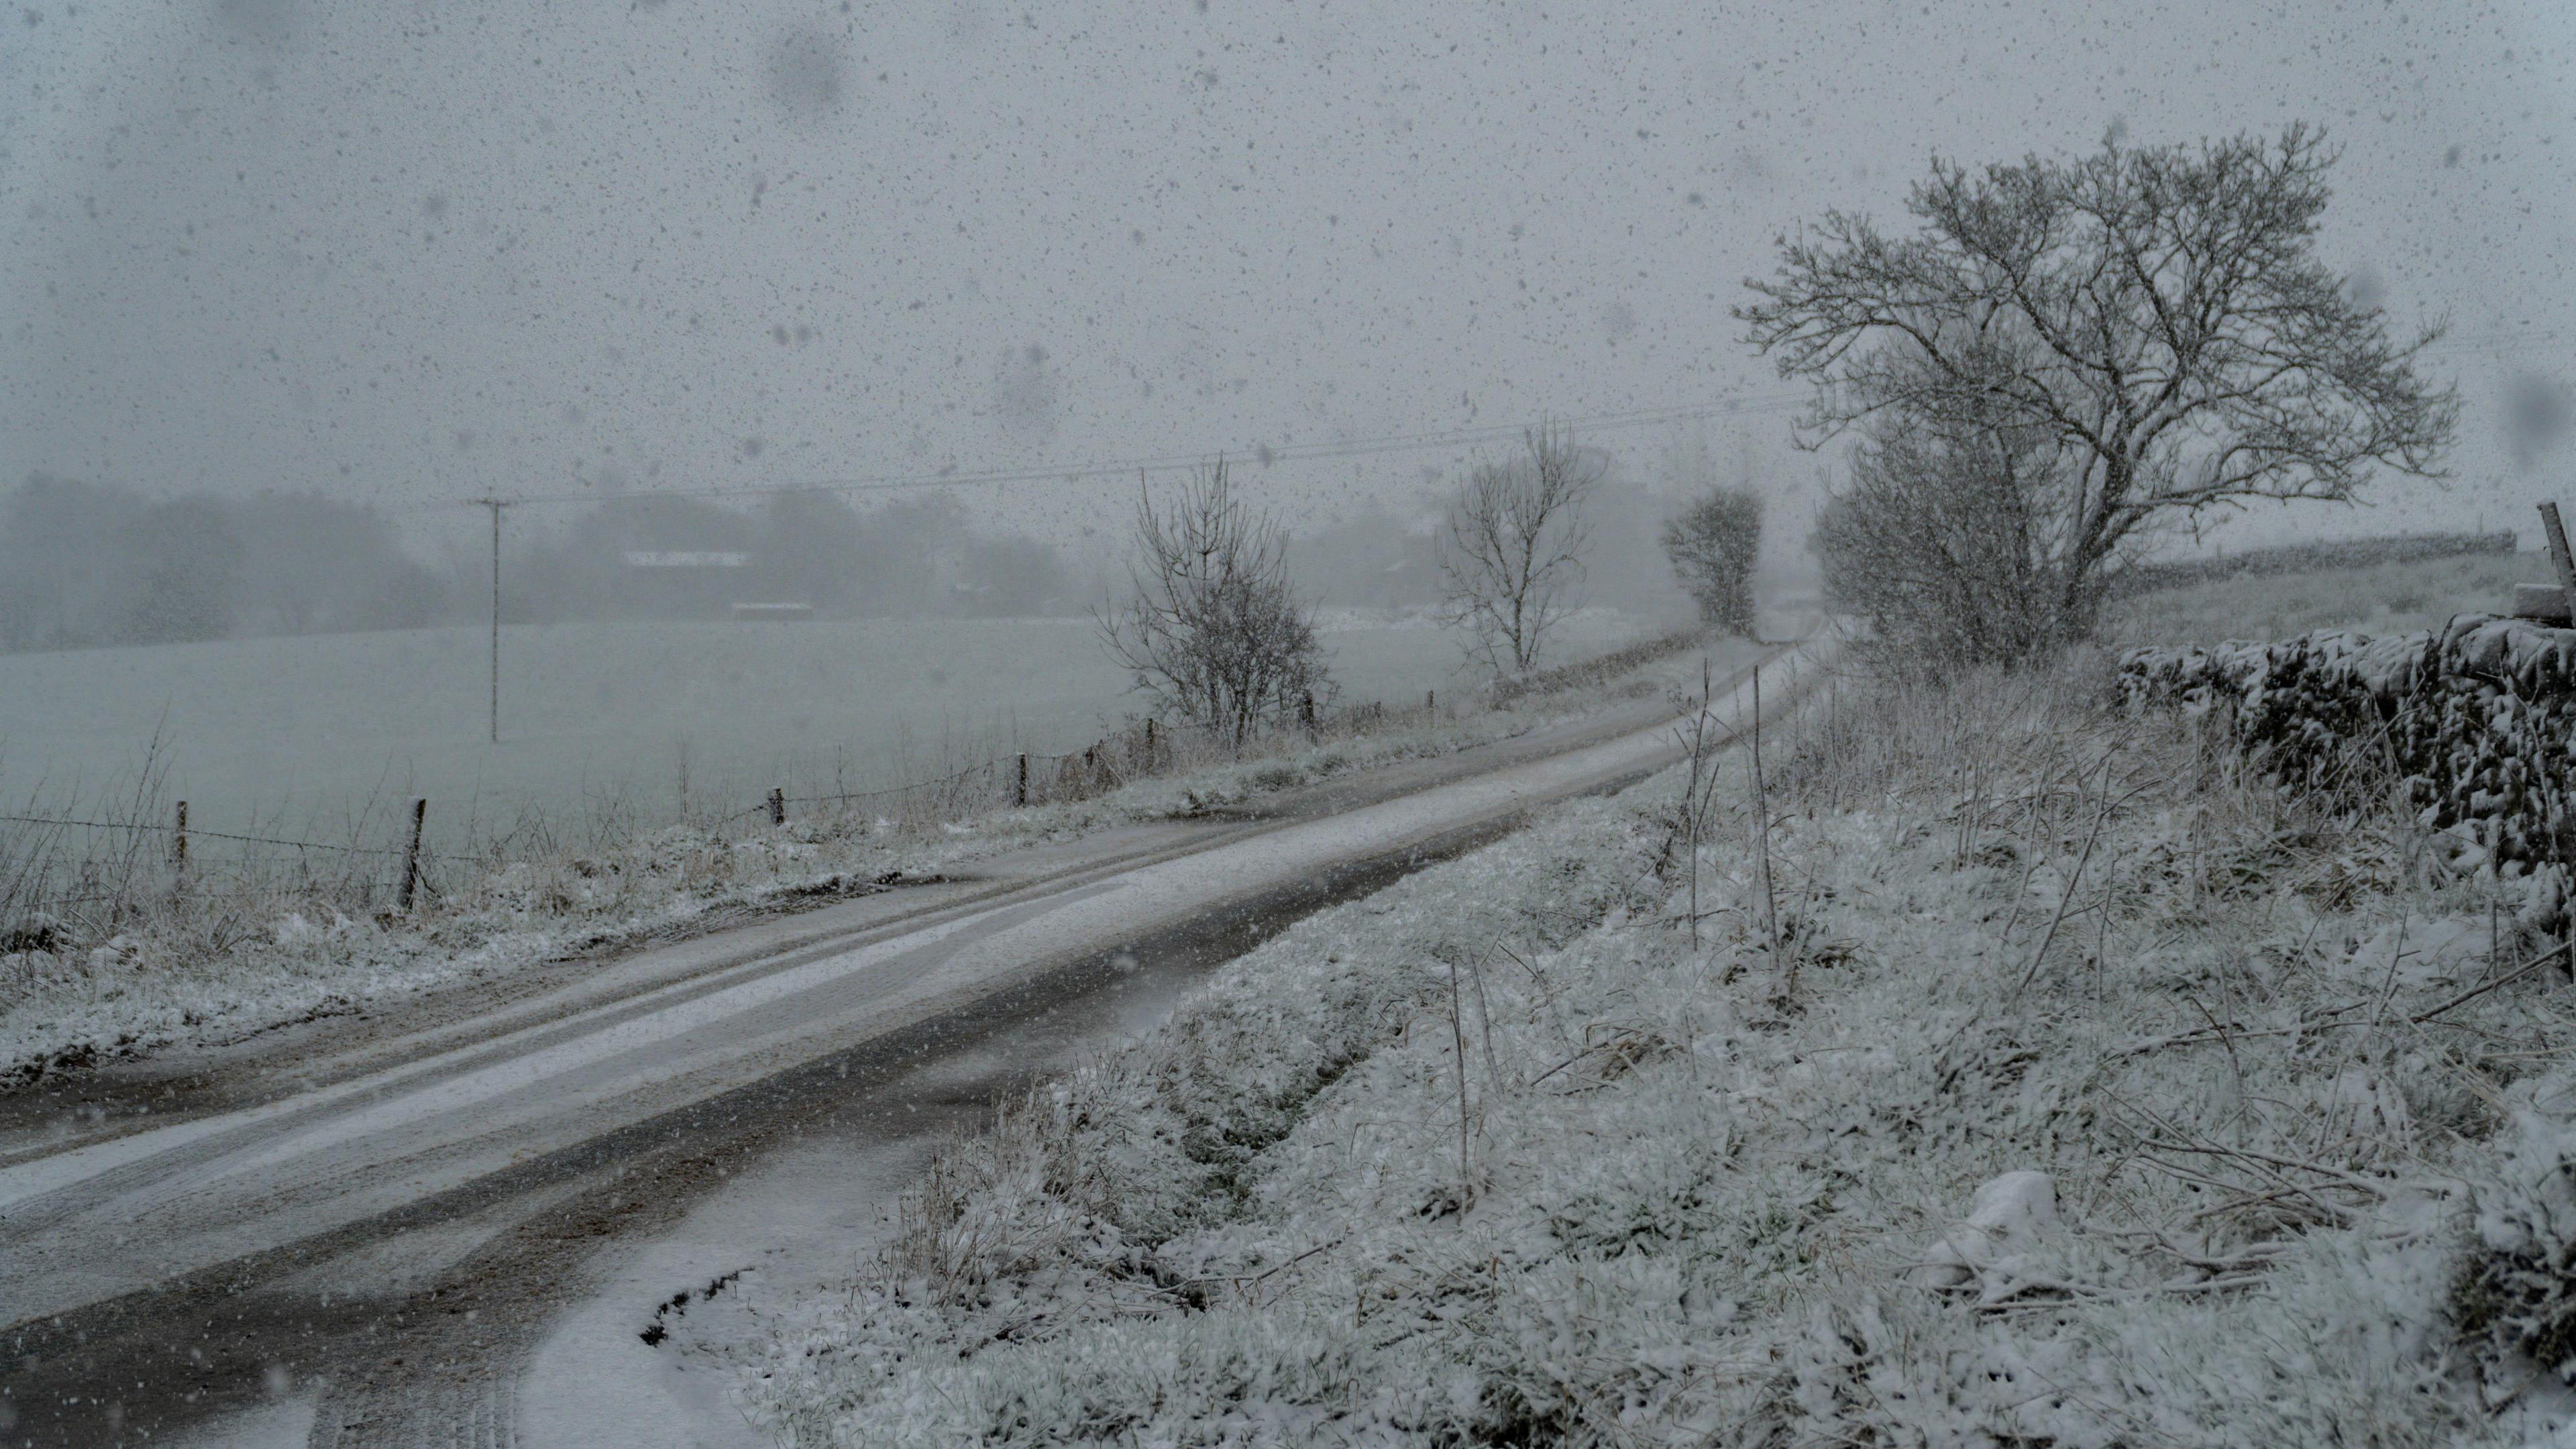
(407, 253)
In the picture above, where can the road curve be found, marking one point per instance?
(402, 1131)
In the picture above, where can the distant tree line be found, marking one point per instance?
(1217, 628)
(87, 564)
(1388, 555)
(911, 557)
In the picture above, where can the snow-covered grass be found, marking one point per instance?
(2383, 598)
(289, 945)
(2119, 1100)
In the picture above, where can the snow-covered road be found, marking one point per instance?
(398, 1143)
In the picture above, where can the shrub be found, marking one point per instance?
(1213, 631)
(1712, 545)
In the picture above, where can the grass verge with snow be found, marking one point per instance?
(2119, 1100)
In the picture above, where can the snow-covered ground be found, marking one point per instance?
(338, 1141)
(2083, 1094)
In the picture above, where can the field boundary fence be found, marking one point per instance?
(82, 875)
(1145, 748)
(60, 881)
(51, 888)
(2299, 558)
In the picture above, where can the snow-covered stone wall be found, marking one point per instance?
(2476, 720)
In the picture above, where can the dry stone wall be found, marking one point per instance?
(2477, 720)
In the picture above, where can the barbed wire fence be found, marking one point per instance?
(81, 877)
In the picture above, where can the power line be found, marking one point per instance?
(2503, 341)
(1170, 462)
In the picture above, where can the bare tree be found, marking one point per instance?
(2154, 324)
(1514, 551)
(1712, 545)
(1213, 632)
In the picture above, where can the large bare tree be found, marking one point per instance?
(1513, 556)
(1213, 630)
(2153, 323)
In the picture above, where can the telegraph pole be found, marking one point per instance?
(496, 505)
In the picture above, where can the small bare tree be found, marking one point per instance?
(1949, 538)
(1213, 631)
(1514, 552)
(1712, 544)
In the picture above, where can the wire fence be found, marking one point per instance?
(177, 831)
(1143, 749)
(60, 881)
(54, 887)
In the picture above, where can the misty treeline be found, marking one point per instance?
(1216, 628)
(660, 556)
(88, 565)
(1386, 555)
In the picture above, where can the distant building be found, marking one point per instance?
(689, 583)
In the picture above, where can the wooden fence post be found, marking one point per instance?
(411, 858)
(777, 805)
(2558, 555)
(1151, 758)
(1431, 703)
(1021, 795)
(179, 852)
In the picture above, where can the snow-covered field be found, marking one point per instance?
(2085, 1093)
(2387, 598)
(298, 734)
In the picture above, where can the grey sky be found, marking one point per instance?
(415, 251)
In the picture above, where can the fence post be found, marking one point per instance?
(1021, 795)
(1306, 711)
(1431, 703)
(2558, 555)
(411, 857)
(179, 852)
(1151, 759)
(777, 805)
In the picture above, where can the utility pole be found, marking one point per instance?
(496, 505)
